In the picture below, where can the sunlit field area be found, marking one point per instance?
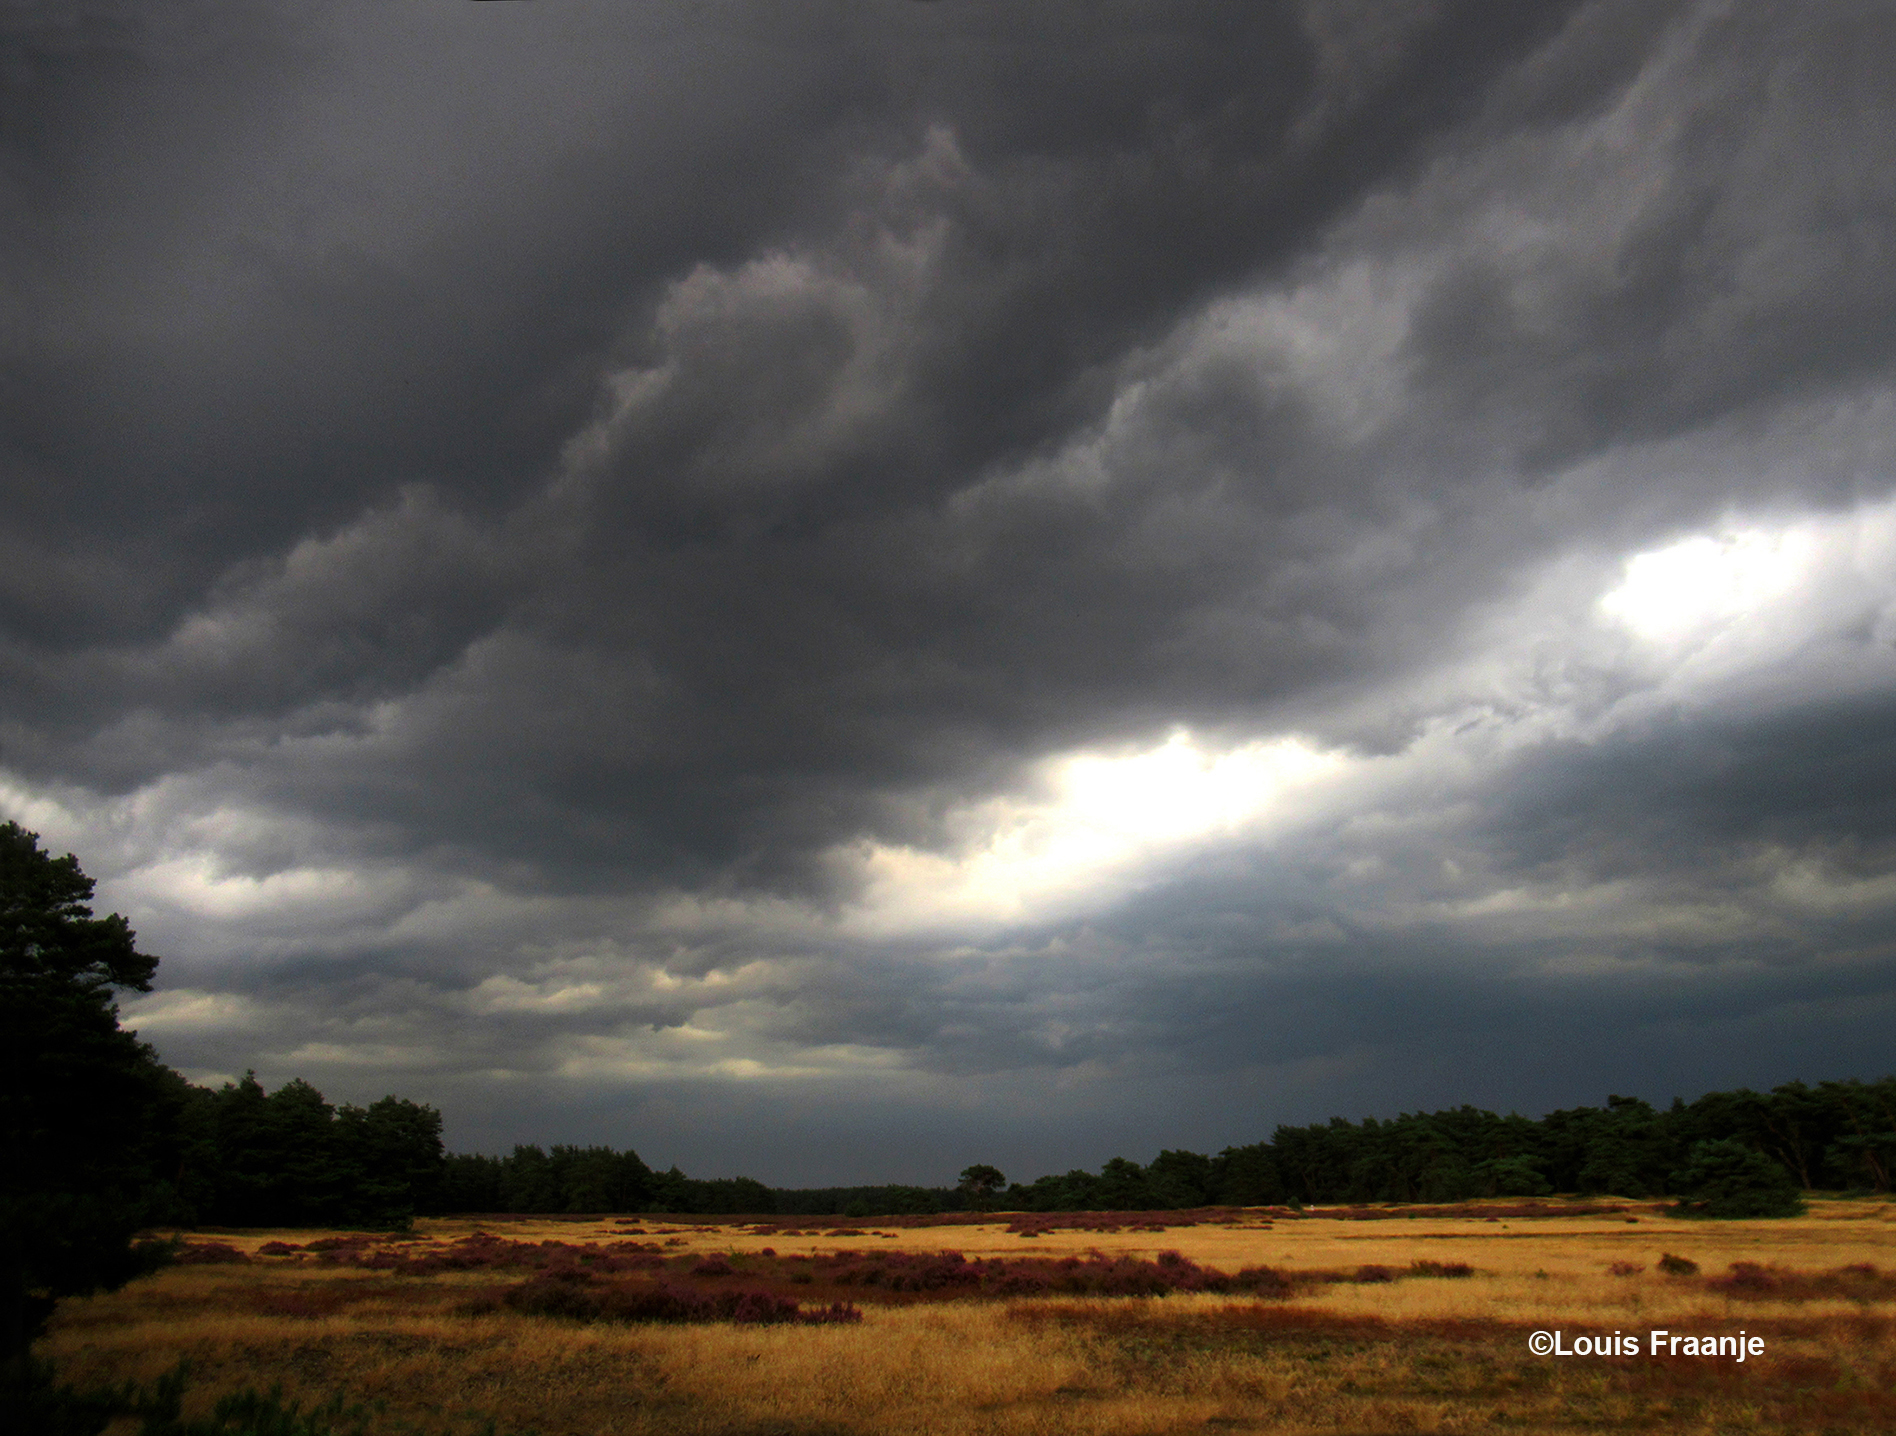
(1357, 1320)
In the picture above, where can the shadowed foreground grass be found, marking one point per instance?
(1404, 1348)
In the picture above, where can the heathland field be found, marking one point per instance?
(1337, 1320)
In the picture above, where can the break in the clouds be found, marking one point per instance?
(844, 589)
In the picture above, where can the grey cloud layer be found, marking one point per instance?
(497, 550)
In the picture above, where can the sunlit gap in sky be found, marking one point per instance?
(1104, 817)
(1805, 605)
(1681, 590)
(1749, 597)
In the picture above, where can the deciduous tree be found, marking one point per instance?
(979, 1183)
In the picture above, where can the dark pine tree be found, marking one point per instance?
(88, 1116)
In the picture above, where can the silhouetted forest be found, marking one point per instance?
(289, 1158)
(588, 1179)
(1835, 1135)
(247, 1158)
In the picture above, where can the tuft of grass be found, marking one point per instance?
(50, 1407)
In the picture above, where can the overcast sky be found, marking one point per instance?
(834, 590)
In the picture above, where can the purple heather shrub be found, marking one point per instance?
(209, 1254)
(1440, 1268)
(584, 1301)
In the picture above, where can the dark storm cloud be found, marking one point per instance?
(1708, 304)
(275, 264)
(322, 282)
(544, 540)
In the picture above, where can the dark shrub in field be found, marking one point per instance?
(1857, 1282)
(1729, 1179)
(576, 1296)
(549, 1296)
(1374, 1274)
(760, 1306)
(349, 1241)
(482, 1251)
(1747, 1278)
(837, 1313)
(208, 1254)
(1265, 1281)
(307, 1305)
(1677, 1265)
(1018, 1283)
(1488, 1211)
(912, 1271)
(1440, 1268)
(1035, 1224)
(713, 1266)
(1093, 1275)
(1100, 1275)
(277, 1249)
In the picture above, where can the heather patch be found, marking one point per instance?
(208, 1254)
(1019, 1223)
(1441, 1268)
(1095, 1274)
(1483, 1211)
(483, 1251)
(886, 1276)
(307, 1303)
(579, 1297)
(1859, 1281)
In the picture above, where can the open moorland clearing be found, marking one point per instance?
(1370, 1319)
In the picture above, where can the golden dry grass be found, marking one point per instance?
(1411, 1355)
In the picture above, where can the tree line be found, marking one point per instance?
(587, 1179)
(1838, 1135)
(245, 1157)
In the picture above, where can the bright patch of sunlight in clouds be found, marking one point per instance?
(1022, 860)
(1177, 790)
(188, 1009)
(1807, 603)
(1792, 597)
(199, 884)
(1684, 588)
(505, 993)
